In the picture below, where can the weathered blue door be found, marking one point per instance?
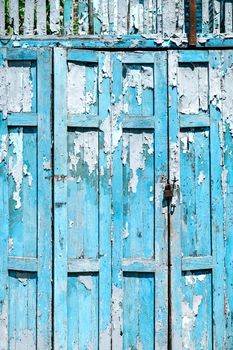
(200, 154)
(126, 274)
(25, 199)
(110, 254)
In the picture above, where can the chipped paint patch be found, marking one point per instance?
(85, 146)
(125, 232)
(23, 340)
(10, 245)
(16, 89)
(201, 178)
(79, 100)
(139, 344)
(46, 164)
(189, 315)
(140, 79)
(193, 88)
(28, 174)
(16, 165)
(191, 279)
(86, 281)
(4, 323)
(137, 145)
(117, 297)
(105, 337)
(4, 148)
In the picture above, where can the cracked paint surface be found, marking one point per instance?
(16, 90)
(17, 168)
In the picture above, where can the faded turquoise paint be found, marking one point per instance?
(197, 154)
(112, 248)
(113, 167)
(25, 249)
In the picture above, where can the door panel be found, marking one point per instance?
(25, 232)
(197, 222)
(139, 245)
(82, 261)
(110, 170)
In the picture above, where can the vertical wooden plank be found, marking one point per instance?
(174, 230)
(216, 16)
(161, 224)
(83, 17)
(228, 17)
(60, 201)
(44, 292)
(180, 17)
(205, 17)
(68, 17)
(105, 285)
(4, 214)
(41, 17)
(169, 17)
(105, 8)
(55, 16)
(2, 17)
(29, 17)
(217, 198)
(117, 223)
(14, 15)
(158, 17)
(227, 188)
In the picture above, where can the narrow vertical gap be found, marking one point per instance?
(128, 18)
(75, 17)
(90, 17)
(21, 15)
(48, 17)
(62, 25)
(8, 21)
(222, 16)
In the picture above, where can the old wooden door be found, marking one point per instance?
(198, 90)
(25, 199)
(110, 253)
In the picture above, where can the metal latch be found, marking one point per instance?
(169, 189)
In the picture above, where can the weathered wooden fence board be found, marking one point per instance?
(164, 18)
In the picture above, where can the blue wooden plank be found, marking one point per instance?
(44, 200)
(22, 119)
(217, 204)
(22, 264)
(60, 203)
(197, 263)
(68, 16)
(105, 285)
(135, 41)
(227, 188)
(21, 54)
(193, 56)
(194, 121)
(175, 236)
(161, 174)
(117, 217)
(4, 228)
